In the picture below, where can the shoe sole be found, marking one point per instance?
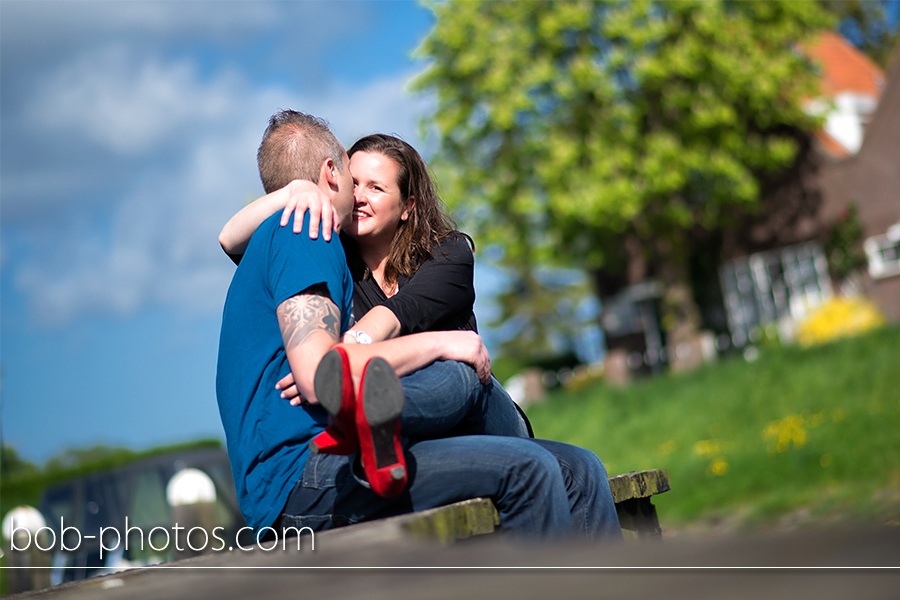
(383, 401)
(329, 382)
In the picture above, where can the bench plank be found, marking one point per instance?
(631, 493)
(447, 524)
(639, 484)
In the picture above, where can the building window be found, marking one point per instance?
(883, 253)
(778, 287)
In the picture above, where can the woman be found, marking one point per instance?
(412, 270)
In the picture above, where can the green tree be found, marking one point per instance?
(12, 465)
(602, 135)
(78, 458)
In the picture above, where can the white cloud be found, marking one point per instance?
(131, 155)
(161, 248)
(47, 23)
(130, 103)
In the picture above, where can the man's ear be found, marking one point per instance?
(410, 205)
(328, 173)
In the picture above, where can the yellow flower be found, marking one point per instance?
(838, 317)
(784, 433)
(718, 467)
(706, 447)
(666, 448)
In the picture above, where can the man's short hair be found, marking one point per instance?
(293, 147)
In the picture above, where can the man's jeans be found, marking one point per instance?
(540, 487)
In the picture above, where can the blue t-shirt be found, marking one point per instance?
(268, 439)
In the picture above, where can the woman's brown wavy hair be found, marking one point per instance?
(428, 223)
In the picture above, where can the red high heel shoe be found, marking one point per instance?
(378, 406)
(334, 389)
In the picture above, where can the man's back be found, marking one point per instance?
(267, 437)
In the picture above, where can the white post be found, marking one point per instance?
(192, 495)
(27, 542)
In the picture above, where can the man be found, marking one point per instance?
(288, 306)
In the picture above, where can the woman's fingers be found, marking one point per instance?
(289, 389)
(314, 213)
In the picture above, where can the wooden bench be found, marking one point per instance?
(632, 493)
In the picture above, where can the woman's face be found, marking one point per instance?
(378, 208)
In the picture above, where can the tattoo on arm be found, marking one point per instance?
(301, 315)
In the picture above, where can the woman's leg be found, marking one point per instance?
(446, 398)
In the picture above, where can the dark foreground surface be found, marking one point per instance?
(372, 565)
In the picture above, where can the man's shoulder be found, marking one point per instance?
(276, 236)
(294, 262)
(262, 237)
(269, 228)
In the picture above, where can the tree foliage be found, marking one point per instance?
(566, 127)
(13, 465)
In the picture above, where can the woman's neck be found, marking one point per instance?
(376, 258)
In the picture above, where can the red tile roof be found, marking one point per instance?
(844, 68)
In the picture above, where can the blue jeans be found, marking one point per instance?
(540, 488)
(446, 398)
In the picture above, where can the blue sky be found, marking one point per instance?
(128, 133)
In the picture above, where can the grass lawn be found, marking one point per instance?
(799, 437)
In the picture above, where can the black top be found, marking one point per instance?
(438, 297)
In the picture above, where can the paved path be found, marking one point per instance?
(373, 565)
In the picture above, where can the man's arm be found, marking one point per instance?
(310, 324)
